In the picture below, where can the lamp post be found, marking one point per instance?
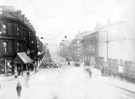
(107, 48)
(63, 47)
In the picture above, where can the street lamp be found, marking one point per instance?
(65, 37)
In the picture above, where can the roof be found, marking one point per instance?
(6, 14)
(81, 35)
(10, 12)
(25, 59)
(115, 23)
(90, 34)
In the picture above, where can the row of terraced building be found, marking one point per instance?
(111, 44)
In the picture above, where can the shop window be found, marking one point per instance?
(9, 66)
(5, 47)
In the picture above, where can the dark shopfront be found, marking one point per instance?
(21, 62)
(6, 66)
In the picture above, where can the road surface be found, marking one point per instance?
(68, 82)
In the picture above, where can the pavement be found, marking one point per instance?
(12, 77)
(127, 86)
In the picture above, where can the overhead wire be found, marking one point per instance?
(62, 15)
(34, 13)
(71, 15)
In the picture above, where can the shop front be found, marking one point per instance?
(6, 66)
(21, 62)
(2, 66)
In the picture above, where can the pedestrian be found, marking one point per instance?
(16, 73)
(19, 89)
(68, 62)
(35, 65)
(89, 71)
(111, 75)
(27, 78)
(102, 71)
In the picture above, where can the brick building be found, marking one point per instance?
(76, 48)
(16, 35)
(90, 48)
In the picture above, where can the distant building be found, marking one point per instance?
(76, 49)
(90, 48)
(116, 41)
(63, 48)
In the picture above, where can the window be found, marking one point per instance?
(90, 47)
(87, 48)
(4, 26)
(0, 28)
(4, 29)
(93, 48)
(18, 47)
(78, 42)
(17, 31)
(10, 29)
(1, 12)
(5, 47)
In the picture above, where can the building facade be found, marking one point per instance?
(116, 41)
(16, 35)
(90, 48)
(116, 48)
(76, 49)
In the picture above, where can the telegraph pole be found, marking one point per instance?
(107, 47)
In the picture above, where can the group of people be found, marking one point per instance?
(19, 86)
(29, 67)
(27, 77)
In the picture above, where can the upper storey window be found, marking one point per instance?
(5, 47)
(18, 47)
(17, 31)
(3, 29)
(78, 42)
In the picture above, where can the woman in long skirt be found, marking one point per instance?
(19, 89)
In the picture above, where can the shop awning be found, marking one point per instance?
(22, 57)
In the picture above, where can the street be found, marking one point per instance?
(67, 49)
(68, 82)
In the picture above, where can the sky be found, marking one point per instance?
(54, 19)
